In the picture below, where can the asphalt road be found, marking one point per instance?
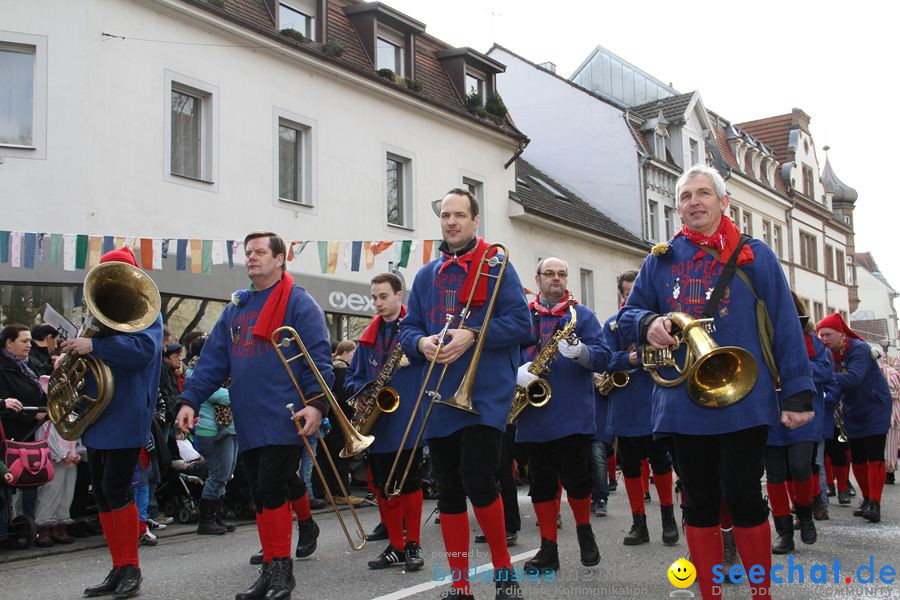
(185, 565)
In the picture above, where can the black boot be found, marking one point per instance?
(546, 559)
(257, 591)
(281, 579)
(220, 515)
(256, 559)
(638, 534)
(413, 557)
(507, 588)
(872, 513)
(669, 526)
(820, 509)
(807, 525)
(784, 543)
(587, 544)
(378, 534)
(108, 586)
(307, 537)
(208, 525)
(129, 582)
(861, 509)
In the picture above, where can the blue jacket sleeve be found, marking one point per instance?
(129, 351)
(511, 322)
(413, 326)
(619, 360)
(859, 362)
(213, 367)
(642, 303)
(832, 394)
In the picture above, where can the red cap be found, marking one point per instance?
(123, 254)
(836, 322)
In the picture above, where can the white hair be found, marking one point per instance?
(714, 177)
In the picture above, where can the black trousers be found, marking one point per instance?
(272, 474)
(465, 464)
(729, 466)
(381, 467)
(867, 449)
(567, 460)
(508, 490)
(790, 462)
(632, 450)
(111, 475)
(836, 450)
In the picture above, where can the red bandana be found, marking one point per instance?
(560, 310)
(465, 261)
(272, 315)
(724, 239)
(371, 333)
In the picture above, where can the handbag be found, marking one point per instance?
(222, 415)
(29, 462)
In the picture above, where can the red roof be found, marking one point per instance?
(731, 161)
(774, 132)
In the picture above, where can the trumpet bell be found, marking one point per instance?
(722, 377)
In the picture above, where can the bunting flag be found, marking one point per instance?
(370, 256)
(291, 246)
(69, 252)
(427, 248)
(346, 251)
(379, 247)
(109, 243)
(146, 254)
(56, 245)
(81, 251)
(356, 254)
(4, 246)
(181, 255)
(29, 244)
(230, 247)
(43, 242)
(405, 249)
(95, 244)
(120, 242)
(323, 256)
(157, 253)
(206, 257)
(196, 256)
(333, 249)
(15, 249)
(218, 252)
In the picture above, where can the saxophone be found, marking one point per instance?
(379, 397)
(538, 392)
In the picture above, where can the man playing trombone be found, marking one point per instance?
(677, 284)
(465, 445)
(239, 346)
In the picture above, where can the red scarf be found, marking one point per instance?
(724, 239)
(560, 310)
(371, 333)
(810, 349)
(272, 315)
(466, 260)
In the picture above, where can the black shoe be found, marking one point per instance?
(108, 586)
(872, 513)
(861, 509)
(413, 557)
(256, 559)
(220, 515)
(480, 539)
(257, 591)
(507, 588)
(807, 524)
(208, 514)
(129, 582)
(281, 579)
(851, 490)
(379, 533)
(647, 497)
(390, 557)
(889, 479)
(820, 509)
(831, 492)
(317, 503)
(784, 543)
(307, 537)
(613, 485)
(844, 498)
(79, 529)
(587, 544)
(638, 534)
(546, 559)
(669, 525)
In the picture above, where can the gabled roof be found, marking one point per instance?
(729, 131)
(775, 133)
(674, 108)
(541, 195)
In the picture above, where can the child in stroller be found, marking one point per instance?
(179, 493)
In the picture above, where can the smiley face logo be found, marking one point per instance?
(682, 573)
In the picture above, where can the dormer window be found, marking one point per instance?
(471, 72)
(475, 85)
(387, 35)
(389, 50)
(659, 145)
(299, 15)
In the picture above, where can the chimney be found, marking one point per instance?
(549, 66)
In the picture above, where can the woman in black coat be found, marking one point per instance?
(19, 382)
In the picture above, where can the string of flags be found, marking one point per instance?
(26, 250)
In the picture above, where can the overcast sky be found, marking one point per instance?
(748, 60)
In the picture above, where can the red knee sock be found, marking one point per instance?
(645, 474)
(803, 491)
(725, 517)
(861, 472)
(663, 485)
(125, 527)
(264, 541)
(635, 490)
(278, 528)
(392, 516)
(581, 508)
(546, 515)
(112, 542)
(455, 531)
(754, 546)
(877, 470)
(611, 468)
(412, 515)
(778, 499)
(491, 520)
(300, 507)
(842, 474)
(829, 471)
(816, 483)
(705, 546)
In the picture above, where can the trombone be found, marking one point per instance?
(462, 399)
(355, 443)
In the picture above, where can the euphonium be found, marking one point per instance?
(716, 376)
(379, 398)
(119, 297)
(608, 381)
(538, 392)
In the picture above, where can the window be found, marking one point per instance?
(734, 213)
(587, 288)
(808, 181)
(389, 51)
(652, 220)
(808, 253)
(841, 266)
(299, 16)
(398, 190)
(660, 143)
(819, 311)
(191, 130)
(187, 128)
(829, 262)
(747, 223)
(23, 95)
(476, 188)
(776, 240)
(695, 152)
(475, 86)
(767, 233)
(669, 214)
(293, 162)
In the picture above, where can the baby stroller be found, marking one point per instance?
(179, 494)
(238, 502)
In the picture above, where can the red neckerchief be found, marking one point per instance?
(271, 317)
(838, 355)
(371, 333)
(724, 239)
(465, 260)
(810, 349)
(560, 310)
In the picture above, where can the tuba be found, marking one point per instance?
(716, 376)
(117, 297)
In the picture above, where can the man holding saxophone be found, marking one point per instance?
(379, 345)
(558, 435)
(465, 446)
(677, 284)
(239, 346)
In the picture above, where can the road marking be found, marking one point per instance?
(430, 585)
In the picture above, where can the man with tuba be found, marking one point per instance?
(558, 435)
(464, 446)
(680, 277)
(240, 346)
(115, 439)
(376, 346)
(629, 420)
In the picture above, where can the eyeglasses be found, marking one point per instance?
(551, 274)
